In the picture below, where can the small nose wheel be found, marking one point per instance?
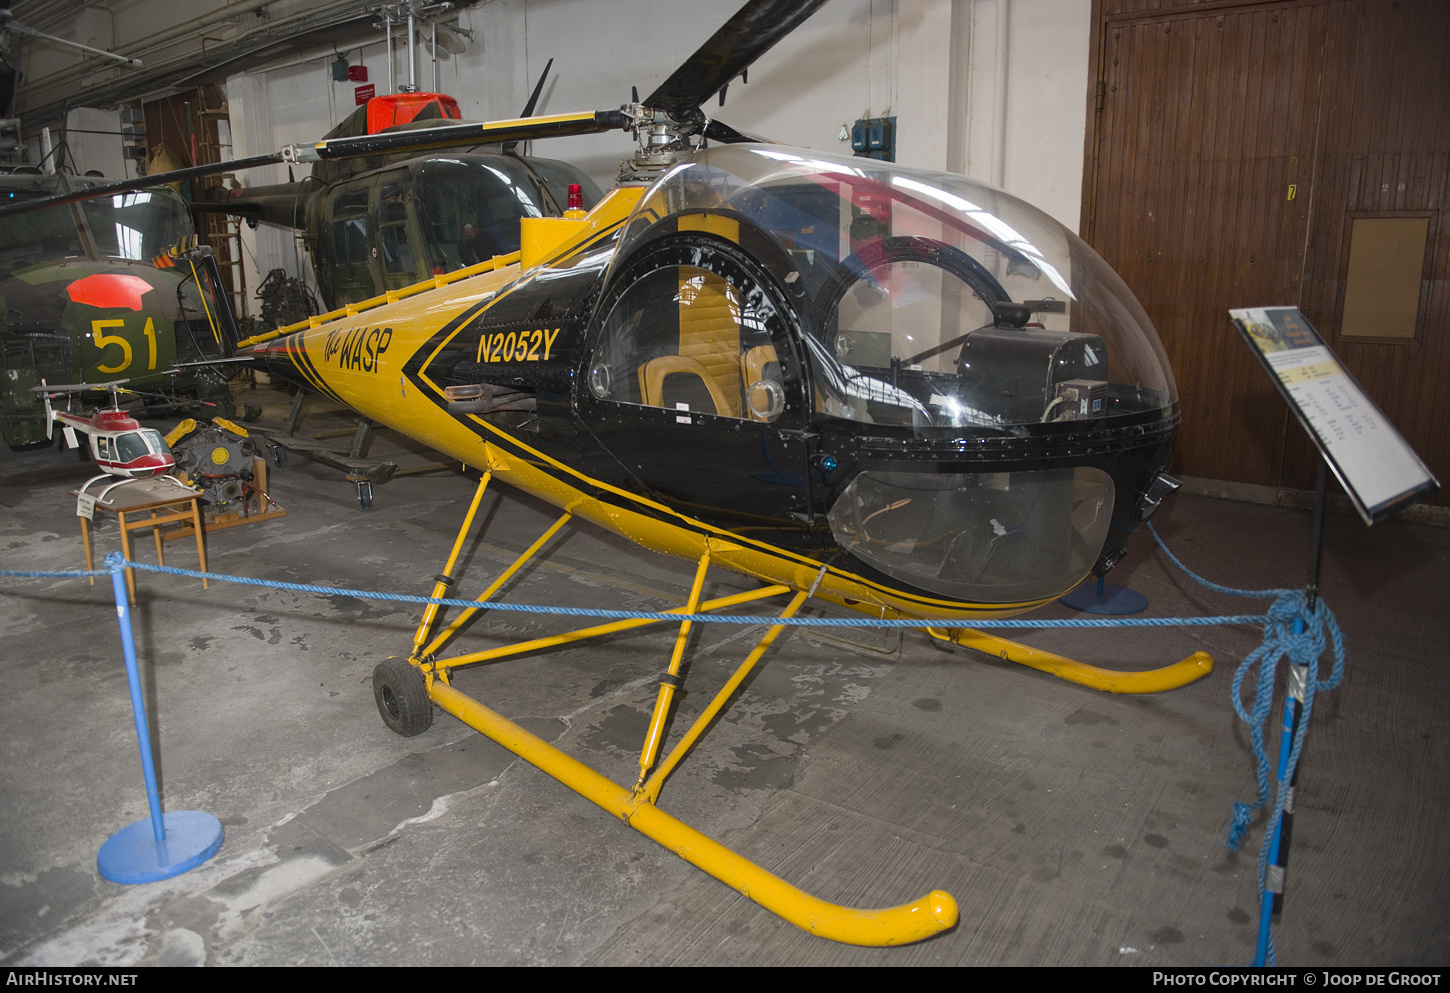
(402, 697)
(279, 456)
(365, 494)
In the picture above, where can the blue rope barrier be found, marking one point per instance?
(68, 574)
(1291, 630)
(114, 561)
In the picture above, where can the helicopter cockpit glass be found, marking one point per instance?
(469, 206)
(50, 233)
(946, 318)
(935, 301)
(138, 225)
(688, 339)
(134, 444)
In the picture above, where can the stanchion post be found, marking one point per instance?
(175, 842)
(1272, 899)
(138, 705)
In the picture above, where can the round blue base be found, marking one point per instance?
(1112, 599)
(131, 855)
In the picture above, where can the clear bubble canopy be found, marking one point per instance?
(932, 309)
(935, 301)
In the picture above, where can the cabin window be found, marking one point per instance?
(687, 339)
(130, 447)
(990, 537)
(48, 233)
(398, 256)
(350, 227)
(138, 225)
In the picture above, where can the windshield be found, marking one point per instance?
(129, 447)
(931, 301)
(137, 226)
(470, 206)
(38, 235)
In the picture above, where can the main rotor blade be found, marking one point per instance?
(747, 36)
(717, 130)
(517, 129)
(533, 101)
(538, 88)
(129, 185)
(421, 139)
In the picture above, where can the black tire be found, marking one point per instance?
(279, 456)
(365, 495)
(402, 697)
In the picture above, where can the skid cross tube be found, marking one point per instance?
(493, 588)
(441, 666)
(914, 921)
(445, 579)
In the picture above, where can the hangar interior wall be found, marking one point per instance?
(931, 63)
(993, 88)
(1233, 152)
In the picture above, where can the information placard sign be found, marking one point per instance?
(1373, 462)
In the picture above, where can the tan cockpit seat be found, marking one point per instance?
(652, 384)
(709, 362)
(710, 333)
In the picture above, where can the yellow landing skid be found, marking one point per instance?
(914, 921)
(1170, 677)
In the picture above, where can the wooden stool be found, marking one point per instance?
(166, 501)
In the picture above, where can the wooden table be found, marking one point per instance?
(166, 502)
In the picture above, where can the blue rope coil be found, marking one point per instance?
(1295, 632)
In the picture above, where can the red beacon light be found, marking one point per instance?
(575, 210)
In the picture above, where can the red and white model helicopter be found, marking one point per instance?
(120, 446)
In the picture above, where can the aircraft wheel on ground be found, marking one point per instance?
(279, 456)
(402, 697)
(365, 494)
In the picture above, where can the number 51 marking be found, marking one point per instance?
(103, 340)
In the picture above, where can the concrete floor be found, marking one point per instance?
(1073, 827)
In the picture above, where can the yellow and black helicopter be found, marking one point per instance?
(899, 391)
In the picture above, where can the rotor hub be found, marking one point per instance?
(663, 140)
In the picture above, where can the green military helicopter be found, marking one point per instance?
(383, 219)
(109, 289)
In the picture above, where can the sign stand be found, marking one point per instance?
(1379, 472)
(1272, 899)
(1372, 461)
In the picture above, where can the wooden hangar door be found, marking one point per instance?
(1231, 148)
